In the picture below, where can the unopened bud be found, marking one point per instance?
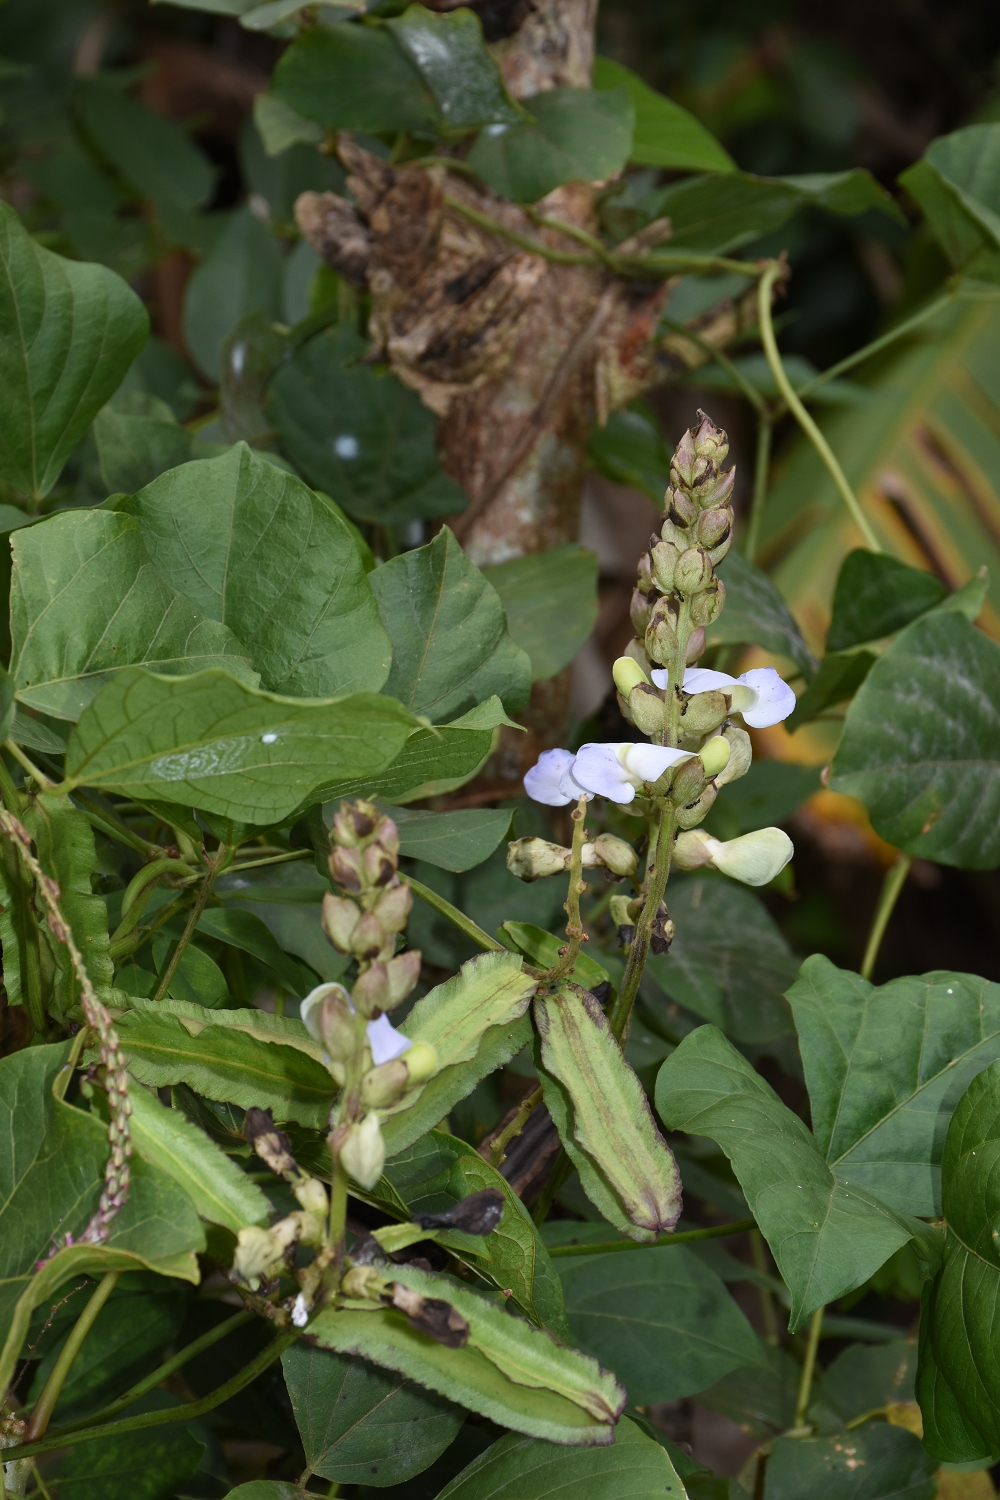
(714, 526)
(421, 1062)
(706, 607)
(383, 1085)
(257, 1254)
(640, 610)
(616, 855)
(681, 510)
(691, 851)
(740, 755)
(363, 1152)
(693, 572)
(363, 1283)
(393, 907)
(664, 558)
(620, 913)
(688, 781)
(703, 712)
(663, 933)
(754, 858)
(647, 710)
(327, 1015)
(353, 823)
(696, 812)
(645, 574)
(534, 859)
(628, 674)
(403, 972)
(371, 989)
(387, 834)
(346, 868)
(340, 917)
(714, 755)
(311, 1195)
(695, 645)
(379, 864)
(661, 634)
(368, 938)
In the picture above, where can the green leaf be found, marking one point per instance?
(543, 949)
(507, 1371)
(920, 745)
(626, 1310)
(450, 646)
(64, 843)
(636, 1468)
(132, 1465)
(499, 1044)
(876, 595)
(79, 327)
(280, 126)
(827, 1235)
(755, 613)
(958, 1379)
(138, 439)
(433, 761)
(729, 962)
(448, 53)
(51, 1173)
(885, 1068)
(242, 274)
(218, 1189)
(957, 185)
(718, 214)
(245, 930)
(209, 742)
(550, 600)
(197, 978)
(86, 603)
(611, 1122)
(360, 1424)
(574, 135)
(760, 1398)
(838, 679)
(227, 1065)
(666, 134)
(263, 1489)
(865, 1377)
(876, 1462)
(629, 449)
(254, 549)
(451, 841)
(359, 434)
(350, 77)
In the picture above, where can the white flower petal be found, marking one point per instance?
(649, 762)
(599, 768)
(703, 680)
(542, 782)
(309, 1007)
(572, 788)
(385, 1041)
(754, 858)
(775, 699)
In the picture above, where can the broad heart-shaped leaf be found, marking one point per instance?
(666, 134)
(574, 135)
(756, 613)
(956, 185)
(360, 1424)
(218, 1189)
(51, 1170)
(874, 1462)
(139, 438)
(450, 644)
(240, 275)
(550, 600)
(449, 54)
(86, 603)
(729, 962)
(517, 1468)
(885, 1068)
(507, 1371)
(350, 77)
(132, 1465)
(921, 745)
(255, 549)
(663, 1321)
(958, 1377)
(876, 595)
(70, 332)
(611, 1123)
(358, 434)
(224, 1062)
(433, 761)
(452, 841)
(209, 742)
(827, 1235)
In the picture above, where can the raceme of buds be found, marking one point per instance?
(535, 859)
(330, 1017)
(312, 1196)
(366, 848)
(754, 858)
(362, 1152)
(383, 986)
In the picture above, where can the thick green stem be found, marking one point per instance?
(162, 1372)
(140, 889)
(577, 886)
(808, 1370)
(45, 1405)
(773, 274)
(676, 668)
(639, 950)
(458, 919)
(183, 1413)
(684, 1237)
(37, 776)
(895, 879)
(761, 472)
(338, 1203)
(214, 866)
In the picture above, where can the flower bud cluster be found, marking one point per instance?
(534, 858)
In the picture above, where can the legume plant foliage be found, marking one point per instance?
(266, 978)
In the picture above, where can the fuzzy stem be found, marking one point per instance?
(895, 879)
(773, 274)
(214, 866)
(338, 1203)
(808, 1370)
(684, 1237)
(761, 471)
(51, 1391)
(638, 952)
(676, 668)
(577, 886)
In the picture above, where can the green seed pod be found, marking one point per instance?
(647, 710)
(693, 573)
(664, 558)
(703, 712)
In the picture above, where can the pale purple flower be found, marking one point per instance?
(551, 781)
(759, 695)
